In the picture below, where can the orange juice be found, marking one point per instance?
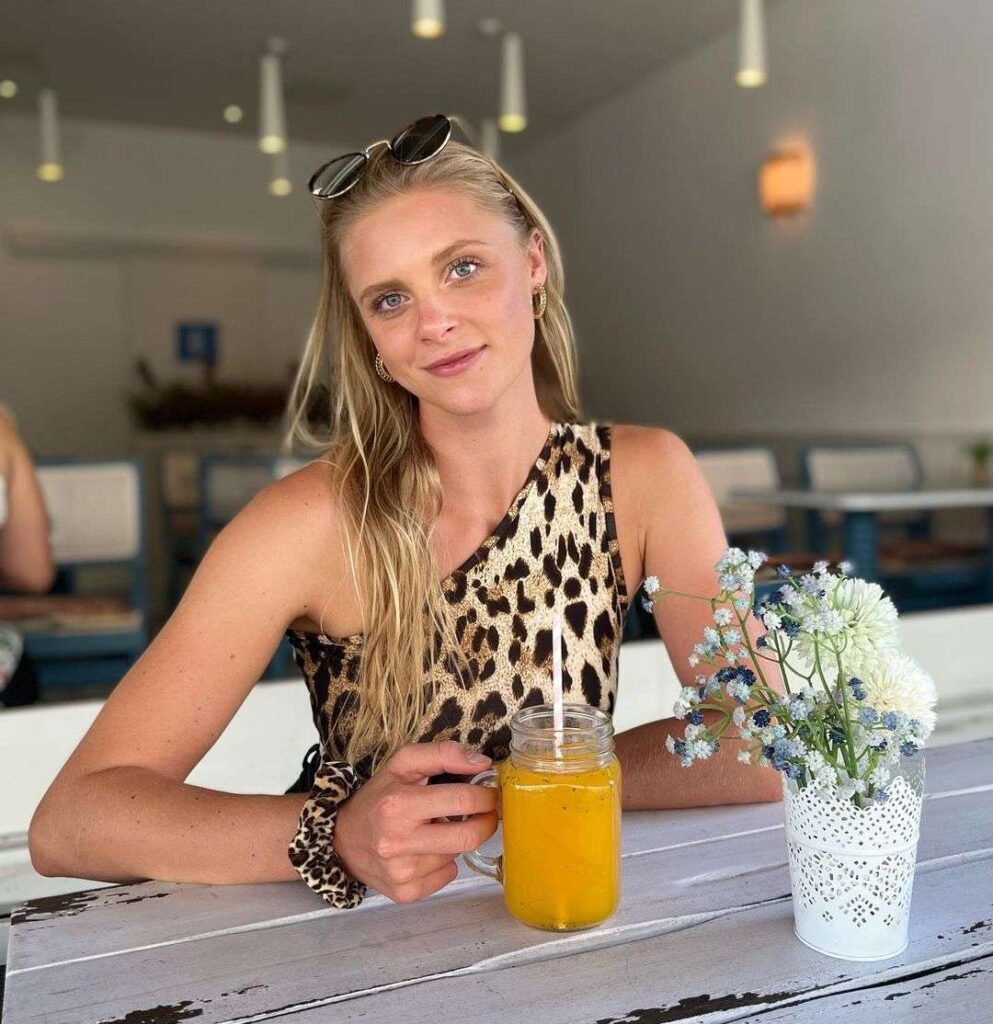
(561, 842)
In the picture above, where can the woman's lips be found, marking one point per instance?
(456, 365)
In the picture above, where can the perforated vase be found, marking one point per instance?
(852, 868)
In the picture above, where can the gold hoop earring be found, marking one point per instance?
(381, 369)
(542, 302)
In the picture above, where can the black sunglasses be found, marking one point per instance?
(419, 141)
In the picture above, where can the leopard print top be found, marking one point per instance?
(557, 541)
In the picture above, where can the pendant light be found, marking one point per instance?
(513, 103)
(427, 18)
(751, 45)
(272, 109)
(280, 184)
(50, 165)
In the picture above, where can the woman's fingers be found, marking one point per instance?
(450, 838)
(452, 800)
(425, 885)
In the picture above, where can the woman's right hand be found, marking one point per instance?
(386, 835)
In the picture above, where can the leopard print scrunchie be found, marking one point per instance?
(312, 849)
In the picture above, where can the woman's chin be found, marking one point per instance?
(467, 400)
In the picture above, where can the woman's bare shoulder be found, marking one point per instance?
(649, 453)
(298, 513)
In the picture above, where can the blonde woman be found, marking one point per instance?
(460, 498)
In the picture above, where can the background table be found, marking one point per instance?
(704, 932)
(860, 509)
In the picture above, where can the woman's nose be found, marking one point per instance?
(436, 320)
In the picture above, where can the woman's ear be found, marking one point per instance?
(536, 258)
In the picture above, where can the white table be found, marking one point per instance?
(860, 508)
(704, 932)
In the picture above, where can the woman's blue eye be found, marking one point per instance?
(464, 263)
(383, 306)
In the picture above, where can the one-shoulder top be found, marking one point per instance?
(557, 544)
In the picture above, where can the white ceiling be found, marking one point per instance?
(353, 71)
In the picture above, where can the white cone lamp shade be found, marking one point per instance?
(281, 184)
(427, 20)
(513, 101)
(490, 140)
(751, 45)
(272, 112)
(50, 166)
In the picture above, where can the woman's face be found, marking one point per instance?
(444, 289)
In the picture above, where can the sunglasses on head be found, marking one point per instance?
(419, 141)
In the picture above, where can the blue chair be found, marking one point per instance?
(97, 516)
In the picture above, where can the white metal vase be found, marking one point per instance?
(852, 868)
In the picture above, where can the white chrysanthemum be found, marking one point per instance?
(870, 627)
(898, 683)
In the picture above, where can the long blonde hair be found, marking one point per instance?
(381, 467)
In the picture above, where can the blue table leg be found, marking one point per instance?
(862, 544)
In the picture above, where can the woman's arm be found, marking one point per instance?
(681, 537)
(119, 810)
(25, 554)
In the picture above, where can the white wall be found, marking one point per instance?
(149, 227)
(870, 315)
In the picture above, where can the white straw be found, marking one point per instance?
(557, 681)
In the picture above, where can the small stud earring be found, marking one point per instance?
(542, 302)
(381, 369)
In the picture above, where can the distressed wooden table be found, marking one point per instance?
(704, 932)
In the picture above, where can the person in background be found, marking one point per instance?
(25, 554)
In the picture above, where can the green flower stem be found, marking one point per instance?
(665, 592)
(753, 654)
(850, 743)
(820, 674)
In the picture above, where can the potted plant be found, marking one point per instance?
(981, 452)
(845, 734)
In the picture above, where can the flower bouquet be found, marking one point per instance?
(845, 734)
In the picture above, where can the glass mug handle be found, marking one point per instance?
(490, 867)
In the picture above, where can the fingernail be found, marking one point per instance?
(477, 758)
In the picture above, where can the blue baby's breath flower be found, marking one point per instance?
(857, 687)
(837, 734)
(878, 742)
(798, 709)
(794, 771)
(761, 718)
(881, 795)
(908, 748)
(890, 720)
(647, 604)
(868, 716)
(695, 717)
(914, 726)
(783, 572)
(790, 628)
(760, 642)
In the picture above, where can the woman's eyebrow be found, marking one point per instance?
(438, 257)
